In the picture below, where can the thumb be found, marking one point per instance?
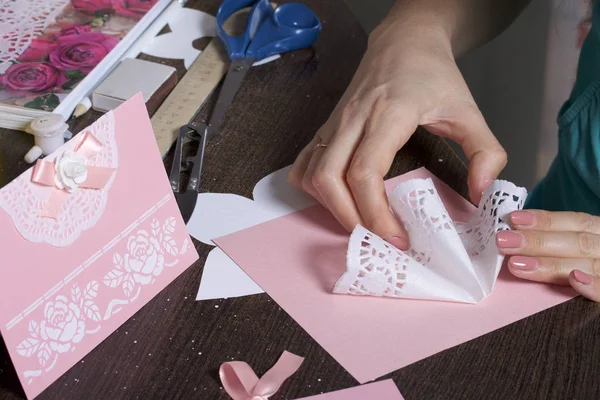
(585, 284)
(486, 156)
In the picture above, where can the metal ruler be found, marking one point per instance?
(190, 94)
(204, 75)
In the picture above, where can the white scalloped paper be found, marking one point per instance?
(447, 261)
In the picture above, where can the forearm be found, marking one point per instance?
(465, 24)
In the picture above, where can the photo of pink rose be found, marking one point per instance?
(39, 49)
(74, 29)
(82, 52)
(92, 7)
(32, 77)
(133, 8)
(74, 41)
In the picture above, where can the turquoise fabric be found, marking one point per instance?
(573, 181)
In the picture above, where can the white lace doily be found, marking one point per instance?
(20, 22)
(446, 261)
(23, 200)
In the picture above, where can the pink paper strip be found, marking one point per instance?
(297, 258)
(383, 390)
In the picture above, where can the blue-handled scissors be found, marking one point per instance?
(268, 32)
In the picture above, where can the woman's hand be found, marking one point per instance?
(555, 247)
(408, 77)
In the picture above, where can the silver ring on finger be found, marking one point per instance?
(319, 145)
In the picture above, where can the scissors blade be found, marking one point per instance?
(236, 73)
(175, 175)
(186, 202)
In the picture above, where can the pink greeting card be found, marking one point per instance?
(89, 235)
(298, 258)
(383, 390)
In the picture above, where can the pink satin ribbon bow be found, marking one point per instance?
(44, 173)
(241, 383)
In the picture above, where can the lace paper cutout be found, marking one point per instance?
(23, 200)
(380, 268)
(21, 21)
(447, 260)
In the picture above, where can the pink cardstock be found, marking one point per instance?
(297, 259)
(69, 282)
(383, 390)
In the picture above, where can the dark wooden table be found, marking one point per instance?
(173, 347)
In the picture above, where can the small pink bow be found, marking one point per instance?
(241, 383)
(69, 172)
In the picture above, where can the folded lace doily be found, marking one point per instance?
(449, 261)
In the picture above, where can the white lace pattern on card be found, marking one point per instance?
(75, 309)
(23, 200)
(446, 261)
(21, 21)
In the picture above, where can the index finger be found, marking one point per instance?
(387, 130)
(557, 221)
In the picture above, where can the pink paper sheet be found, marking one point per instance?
(297, 258)
(383, 390)
(59, 301)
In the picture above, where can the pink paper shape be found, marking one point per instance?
(383, 390)
(58, 303)
(297, 259)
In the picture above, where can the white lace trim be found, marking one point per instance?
(23, 200)
(20, 22)
(446, 261)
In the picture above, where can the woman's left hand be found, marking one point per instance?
(554, 247)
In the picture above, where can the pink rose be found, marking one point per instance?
(133, 8)
(74, 30)
(38, 50)
(92, 6)
(32, 77)
(82, 52)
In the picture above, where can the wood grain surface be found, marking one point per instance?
(173, 347)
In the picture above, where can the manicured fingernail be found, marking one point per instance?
(582, 277)
(522, 218)
(399, 242)
(523, 263)
(509, 240)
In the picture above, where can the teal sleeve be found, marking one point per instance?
(573, 181)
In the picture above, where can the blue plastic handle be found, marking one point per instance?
(268, 32)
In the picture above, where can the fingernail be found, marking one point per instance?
(509, 240)
(398, 242)
(523, 263)
(582, 277)
(523, 218)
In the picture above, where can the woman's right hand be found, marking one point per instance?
(408, 77)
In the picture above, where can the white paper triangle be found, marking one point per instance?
(222, 278)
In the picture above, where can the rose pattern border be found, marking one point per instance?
(73, 314)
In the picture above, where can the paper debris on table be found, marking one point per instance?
(185, 26)
(219, 214)
(372, 336)
(446, 261)
(89, 236)
(382, 390)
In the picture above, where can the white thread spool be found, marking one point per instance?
(49, 132)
